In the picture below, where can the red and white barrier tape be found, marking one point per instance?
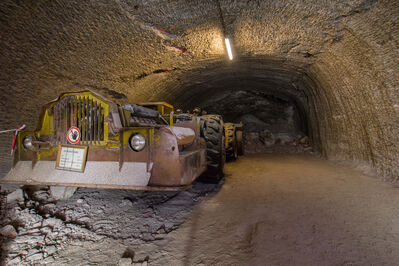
(15, 136)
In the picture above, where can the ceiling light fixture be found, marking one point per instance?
(228, 47)
(226, 40)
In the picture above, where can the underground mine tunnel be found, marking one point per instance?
(314, 84)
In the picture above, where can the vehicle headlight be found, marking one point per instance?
(28, 143)
(137, 142)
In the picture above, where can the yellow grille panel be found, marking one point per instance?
(82, 111)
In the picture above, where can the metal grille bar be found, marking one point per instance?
(83, 112)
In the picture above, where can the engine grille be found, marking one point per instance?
(83, 112)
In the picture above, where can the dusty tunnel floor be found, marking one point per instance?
(271, 210)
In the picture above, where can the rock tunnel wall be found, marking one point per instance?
(337, 60)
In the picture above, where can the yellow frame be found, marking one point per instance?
(46, 119)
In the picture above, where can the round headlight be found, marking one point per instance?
(137, 142)
(28, 143)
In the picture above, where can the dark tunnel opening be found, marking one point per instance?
(264, 109)
(268, 118)
(266, 95)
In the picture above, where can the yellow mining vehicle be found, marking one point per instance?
(233, 140)
(85, 140)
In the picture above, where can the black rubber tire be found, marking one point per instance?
(231, 142)
(215, 148)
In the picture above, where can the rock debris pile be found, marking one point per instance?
(38, 229)
(39, 237)
(269, 142)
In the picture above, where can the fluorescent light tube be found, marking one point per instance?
(227, 41)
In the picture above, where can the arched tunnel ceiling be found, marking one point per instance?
(337, 60)
(267, 74)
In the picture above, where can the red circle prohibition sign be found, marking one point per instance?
(73, 135)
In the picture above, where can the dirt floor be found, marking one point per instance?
(271, 210)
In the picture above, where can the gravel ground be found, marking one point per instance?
(271, 210)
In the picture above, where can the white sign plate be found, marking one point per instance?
(71, 158)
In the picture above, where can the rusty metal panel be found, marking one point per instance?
(171, 167)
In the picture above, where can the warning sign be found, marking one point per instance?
(73, 135)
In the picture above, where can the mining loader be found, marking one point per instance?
(85, 140)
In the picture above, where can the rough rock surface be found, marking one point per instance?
(279, 143)
(92, 220)
(336, 62)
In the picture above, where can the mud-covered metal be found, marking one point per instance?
(140, 111)
(162, 107)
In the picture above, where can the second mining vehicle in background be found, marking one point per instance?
(233, 140)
